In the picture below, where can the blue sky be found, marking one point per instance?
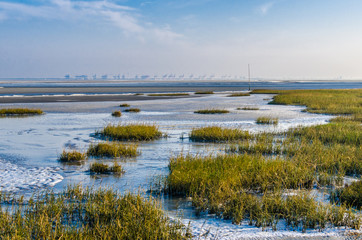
(280, 38)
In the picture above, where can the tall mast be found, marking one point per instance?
(249, 75)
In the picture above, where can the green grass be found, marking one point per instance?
(350, 195)
(82, 213)
(217, 134)
(131, 132)
(72, 156)
(20, 112)
(225, 185)
(267, 120)
(239, 94)
(101, 168)
(112, 150)
(204, 92)
(124, 105)
(136, 110)
(248, 108)
(212, 111)
(344, 101)
(116, 114)
(167, 94)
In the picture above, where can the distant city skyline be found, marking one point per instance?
(281, 39)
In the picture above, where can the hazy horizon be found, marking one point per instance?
(281, 39)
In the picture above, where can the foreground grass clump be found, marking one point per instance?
(209, 175)
(218, 134)
(112, 150)
(20, 112)
(167, 94)
(212, 111)
(344, 101)
(131, 132)
(225, 185)
(248, 108)
(124, 105)
(116, 114)
(267, 120)
(350, 195)
(101, 168)
(204, 92)
(79, 214)
(72, 156)
(239, 94)
(136, 110)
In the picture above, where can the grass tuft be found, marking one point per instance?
(136, 110)
(101, 168)
(350, 195)
(204, 92)
(167, 94)
(72, 156)
(20, 112)
(116, 114)
(124, 105)
(239, 94)
(267, 120)
(131, 132)
(217, 134)
(248, 108)
(112, 150)
(212, 111)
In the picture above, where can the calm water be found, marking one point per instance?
(29, 147)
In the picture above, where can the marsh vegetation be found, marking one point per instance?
(101, 168)
(135, 110)
(124, 105)
(248, 108)
(247, 182)
(112, 150)
(167, 94)
(267, 120)
(84, 213)
(240, 94)
(130, 132)
(116, 114)
(204, 92)
(72, 156)
(212, 111)
(217, 134)
(20, 112)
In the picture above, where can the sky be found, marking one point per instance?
(280, 39)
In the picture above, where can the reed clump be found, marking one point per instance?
(72, 156)
(248, 108)
(116, 114)
(112, 150)
(267, 120)
(101, 168)
(204, 92)
(225, 185)
(135, 110)
(167, 94)
(130, 132)
(218, 134)
(212, 111)
(84, 213)
(20, 112)
(350, 195)
(124, 105)
(241, 94)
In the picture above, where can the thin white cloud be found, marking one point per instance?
(125, 18)
(264, 9)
